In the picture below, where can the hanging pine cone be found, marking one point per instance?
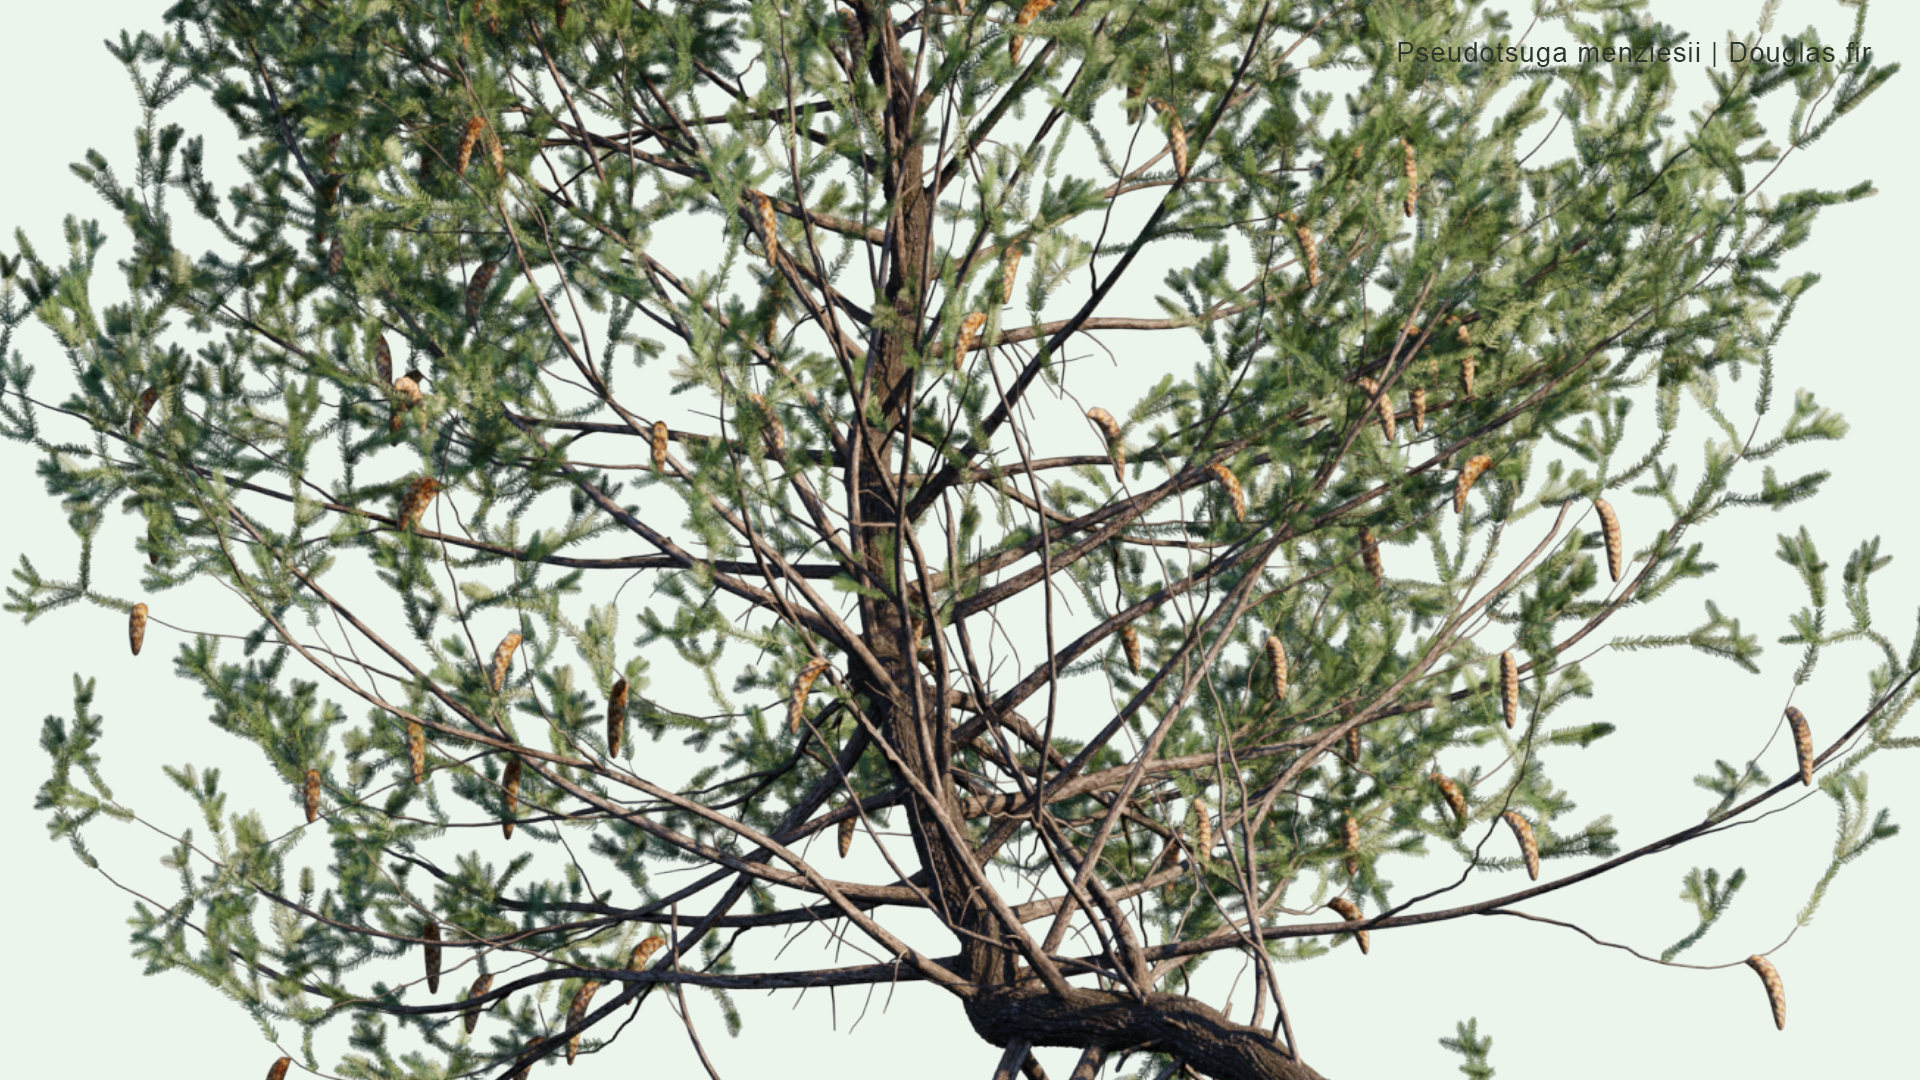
(1802, 743)
(1277, 661)
(510, 781)
(1009, 265)
(417, 750)
(497, 153)
(802, 686)
(1451, 792)
(502, 659)
(1385, 405)
(1420, 408)
(1413, 177)
(969, 330)
(1523, 832)
(419, 496)
(408, 387)
(1176, 137)
(1130, 644)
(1466, 372)
(1309, 249)
(616, 716)
(1776, 991)
(1610, 530)
(278, 1070)
(477, 289)
(432, 935)
(659, 446)
(1202, 830)
(769, 229)
(1235, 492)
(1028, 12)
(311, 795)
(1370, 554)
(336, 257)
(137, 421)
(774, 434)
(1116, 448)
(471, 1014)
(467, 141)
(1350, 830)
(137, 627)
(644, 952)
(1350, 911)
(1353, 745)
(1470, 472)
(1509, 687)
(560, 23)
(578, 1012)
(382, 360)
(846, 836)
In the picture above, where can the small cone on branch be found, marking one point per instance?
(432, 934)
(846, 836)
(1463, 334)
(802, 686)
(616, 716)
(471, 1014)
(644, 952)
(1466, 373)
(769, 231)
(1469, 472)
(969, 329)
(1008, 267)
(417, 750)
(1351, 831)
(1028, 12)
(419, 496)
(1176, 137)
(1776, 991)
(477, 288)
(1529, 851)
(382, 360)
(467, 141)
(1116, 448)
(496, 153)
(1386, 405)
(1802, 743)
(336, 256)
(310, 795)
(1130, 643)
(153, 545)
(1235, 492)
(137, 421)
(137, 627)
(1202, 829)
(775, 433)
(1350, 911)
(1509, 687)
(502, 659)
(1370, 554)
(510, 780)
(1353, 745)
(1309, 249)
(1413, 177)
(408, 387)
(1277, 660)
(1451, 792)
(1610, 529)
(578, 1012)
(278, 1070)
(1420, 409)
(659, 440)
(560, 23)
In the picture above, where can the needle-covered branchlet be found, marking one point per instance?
(382, 360)
(773, 434)
(1277, 662)
(1116, 448)
(1136, 89)
(503, 659)
(419, 496)
(1028, 12)
(477, 288)
(1509, 687)
(769, 230)
(1009, 266)
(153, 546)
(802, 686)
(417, 750)
(467, 140)
(1350, 833)
(1130, 644)
(1176, 137)
(1370, 554)
(470, 1015)
(278, 1070)
(1610, 531)
(582, 998)
(1385, 404)
(1235, 493)
(510, 790)
(1350, 911)
(1419, 408)
(1776, 991)
(659, 441)
(408, 387)
(644, 951)
(310, 795)
(846, 836)
(1469, 473)
(1450, 791)
(1529, 850)
(1802, 743)
(1413, 177)
(969, 330)
(137, 627)
(616, 716)
(137, 420)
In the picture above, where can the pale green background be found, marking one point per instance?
(1556, 1006)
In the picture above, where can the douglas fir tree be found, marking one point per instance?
(1104, 686)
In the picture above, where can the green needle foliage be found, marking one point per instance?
(774, 319)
